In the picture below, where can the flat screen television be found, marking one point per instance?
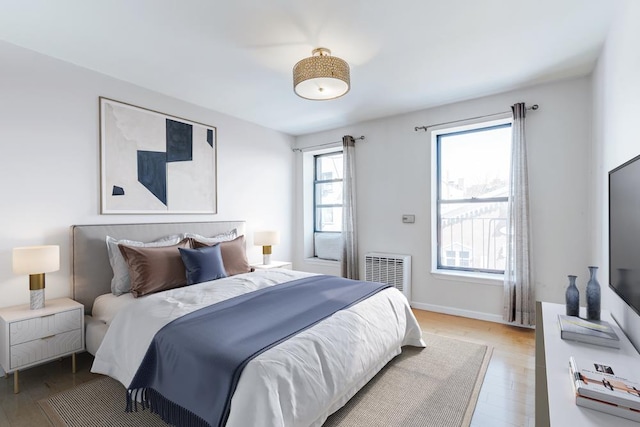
(624, 232)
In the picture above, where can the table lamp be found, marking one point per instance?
(266, 239)
(35, 261)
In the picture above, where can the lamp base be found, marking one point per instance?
(36, 299)
(266, 259)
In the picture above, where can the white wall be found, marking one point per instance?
(393, 178)
(616, 140)
(50, 163)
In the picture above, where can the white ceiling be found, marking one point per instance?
(236, 56)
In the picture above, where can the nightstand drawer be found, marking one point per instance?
(39, 327)
(45, 348)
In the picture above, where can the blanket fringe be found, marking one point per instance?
(170, 412)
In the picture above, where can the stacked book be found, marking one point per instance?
(596, 332)
(607, 388)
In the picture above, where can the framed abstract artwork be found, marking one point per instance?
(153, 163)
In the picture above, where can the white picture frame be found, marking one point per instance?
(154, 163)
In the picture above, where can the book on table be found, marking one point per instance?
(596, 332)
(609, 408)
(611, 388)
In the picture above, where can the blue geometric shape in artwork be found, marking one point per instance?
(210, 137)
(179, 141)
(152, 173)
(117, 191)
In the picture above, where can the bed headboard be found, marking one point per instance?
(90, 269)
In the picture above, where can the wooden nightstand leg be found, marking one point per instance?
(73, 363)
(16, 387)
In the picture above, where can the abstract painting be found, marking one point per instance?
(154, 163)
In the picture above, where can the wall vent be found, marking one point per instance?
(392, 269)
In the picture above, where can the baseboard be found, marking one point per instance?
(458, 312)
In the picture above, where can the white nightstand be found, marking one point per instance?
(31, 337)
(274, 264)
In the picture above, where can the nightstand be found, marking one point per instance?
(31, 337)
(274, 264)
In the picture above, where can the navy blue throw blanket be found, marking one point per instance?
(193, 364)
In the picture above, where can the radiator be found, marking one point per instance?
(391, 269)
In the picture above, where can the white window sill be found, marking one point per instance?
(470, 277)
(320, 261)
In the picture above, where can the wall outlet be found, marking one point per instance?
(408, 219)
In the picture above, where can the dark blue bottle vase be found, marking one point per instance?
(572, 297)
(593, 295)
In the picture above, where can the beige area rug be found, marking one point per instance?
(435, 386)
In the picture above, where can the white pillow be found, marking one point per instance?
(328, 246)
(121, 283)
(222, 237)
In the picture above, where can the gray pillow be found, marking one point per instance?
(121, 283)
(218, 238)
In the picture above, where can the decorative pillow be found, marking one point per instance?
(234, 255)
(222, 237)
(203, 264)
(155, 269)
(328, 245)
(120, 283)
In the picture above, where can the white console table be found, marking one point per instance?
(555, 399)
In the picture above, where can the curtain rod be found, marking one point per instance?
(417, 128)
(322, 145)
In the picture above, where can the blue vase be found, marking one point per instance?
(572, 297)
(593, 295)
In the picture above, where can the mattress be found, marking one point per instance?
(105, 307)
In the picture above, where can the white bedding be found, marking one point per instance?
(299, 382)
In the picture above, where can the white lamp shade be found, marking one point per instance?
(266, 238)
(36, 259)
(320, 88)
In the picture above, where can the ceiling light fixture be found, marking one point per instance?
(321, 76)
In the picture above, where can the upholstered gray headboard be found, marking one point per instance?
(90, 270)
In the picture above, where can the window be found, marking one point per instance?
(472, 179)
(327, 185)
(327, 205)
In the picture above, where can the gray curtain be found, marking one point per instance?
(519, 292)
(349, 234)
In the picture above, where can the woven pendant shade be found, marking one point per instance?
(321, 76)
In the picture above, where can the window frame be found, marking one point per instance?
(317, 182)
(492, 276)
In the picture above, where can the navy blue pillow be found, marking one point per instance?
(203, 264)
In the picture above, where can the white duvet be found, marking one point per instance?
(299, 382)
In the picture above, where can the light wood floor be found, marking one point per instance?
(506, 398)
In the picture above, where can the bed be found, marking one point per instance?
(299, 382)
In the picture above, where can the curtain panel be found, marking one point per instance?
(519, 292)
(349, 266)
